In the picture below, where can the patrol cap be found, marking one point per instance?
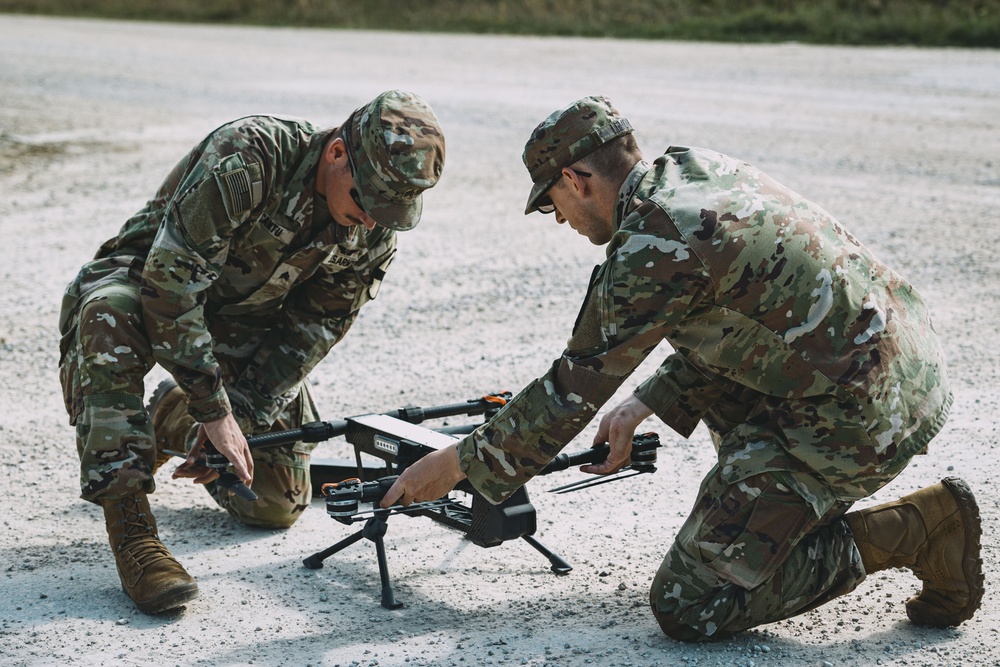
(396, 149)
(566, 136)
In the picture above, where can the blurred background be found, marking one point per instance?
(968, 23)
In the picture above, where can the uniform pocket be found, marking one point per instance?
(751, 528)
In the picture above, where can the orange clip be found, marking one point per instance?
(336, 485)
(493, 398)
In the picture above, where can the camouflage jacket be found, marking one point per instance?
(236, 240)
(787, 333)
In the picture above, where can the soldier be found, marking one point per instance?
(246, 267)
(813, 365)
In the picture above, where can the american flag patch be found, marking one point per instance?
(238, 184)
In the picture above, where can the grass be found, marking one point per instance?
(966, 23)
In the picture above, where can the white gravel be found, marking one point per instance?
(903, 145)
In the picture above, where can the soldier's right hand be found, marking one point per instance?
(228, 439)
(430, 478)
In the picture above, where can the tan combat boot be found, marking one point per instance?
(934, 532)
(168, 413)
(150, 576)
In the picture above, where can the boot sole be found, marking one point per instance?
(972, 563)
(172, 599)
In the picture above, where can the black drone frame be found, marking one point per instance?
(394, 437)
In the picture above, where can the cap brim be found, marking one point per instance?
(537, 190)
(394, 215)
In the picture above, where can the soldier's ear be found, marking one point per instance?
(576, 181)
(335, 150)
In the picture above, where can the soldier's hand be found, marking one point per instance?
(225, 434)
(617, 428)
(430, 478)
(194, 466)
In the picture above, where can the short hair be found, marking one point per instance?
(615, 159)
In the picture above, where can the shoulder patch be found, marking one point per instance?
(241, 185)
(238, 184)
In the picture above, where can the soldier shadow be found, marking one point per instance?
(897, 640)
(577, 626)
(70, 574)
(431, 631)
(78, 581)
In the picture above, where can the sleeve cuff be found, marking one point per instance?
(657, 395)
(210, 408)
(679, 407)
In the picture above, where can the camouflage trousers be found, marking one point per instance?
(105, 356)
(751, 553)
(766, 538)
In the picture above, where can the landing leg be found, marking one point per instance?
(315, 561)
(559, 566)
(374, 530)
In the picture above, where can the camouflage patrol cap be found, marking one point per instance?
(566, 136)
(396, 149)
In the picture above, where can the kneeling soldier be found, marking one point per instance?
(250, 262)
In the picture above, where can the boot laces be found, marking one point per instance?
(140, 541)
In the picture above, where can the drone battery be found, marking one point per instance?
(494, 524)
(383, 436)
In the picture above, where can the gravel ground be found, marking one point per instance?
(901, 144)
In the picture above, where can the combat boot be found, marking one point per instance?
(168, 413)
(936, 533)
(150, 576)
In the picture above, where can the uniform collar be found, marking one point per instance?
(630, 195)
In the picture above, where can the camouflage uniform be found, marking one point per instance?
(236, 280)
(814, 366)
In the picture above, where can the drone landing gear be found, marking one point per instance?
(374, 530)
(558, 564)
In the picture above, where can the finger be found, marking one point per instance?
(243, 461)
(241, 472)
(603, 431)
(187, 470)
(244, 467)
(620, 445)
(196, 452)
(605, 468)
(208, 476)
(395, 493)
(183, 470)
